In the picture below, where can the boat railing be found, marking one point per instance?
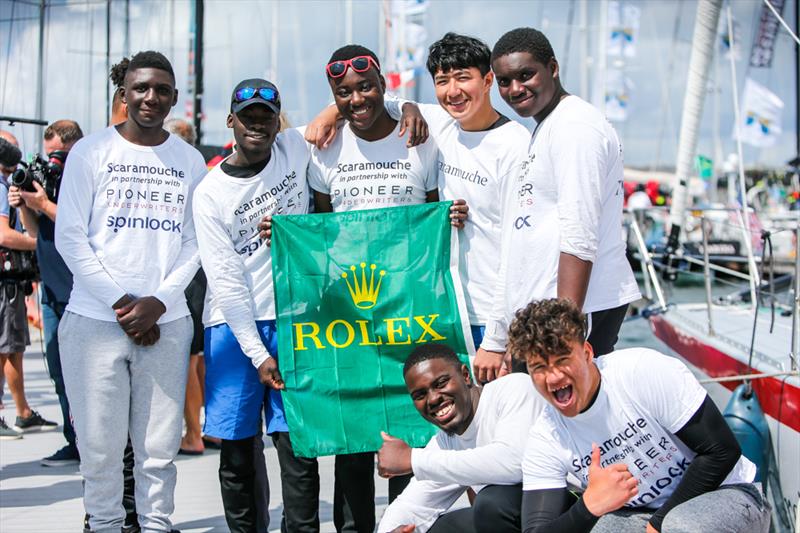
(795, 355)
(654, 290)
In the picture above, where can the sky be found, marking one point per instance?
(239, 36)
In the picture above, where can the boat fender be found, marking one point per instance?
(748, 423)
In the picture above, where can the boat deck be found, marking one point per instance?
(733, 328)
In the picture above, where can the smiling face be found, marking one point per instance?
(359, 97)
(149, 94)
(463, 93)
(442, 393)
(254, 129)
(568, 382)
(530, 87)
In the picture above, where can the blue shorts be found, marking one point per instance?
(477, 335)
(235, 397)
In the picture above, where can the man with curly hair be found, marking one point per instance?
(648, 447)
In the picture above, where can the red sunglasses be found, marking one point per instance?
(337, 69)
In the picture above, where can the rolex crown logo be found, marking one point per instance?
(364, 292)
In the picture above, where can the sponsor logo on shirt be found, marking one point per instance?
(523, 222)
(652, 458)
(466, 175)
(156, 192)
(378, 194)
(525, 200)
(154, 224)
(274, 201)
(152, 170)
(525, 167)
(343, 168)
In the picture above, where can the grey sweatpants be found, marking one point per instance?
(117, 388)
(737, 508)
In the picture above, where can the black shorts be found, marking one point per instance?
(14, 335)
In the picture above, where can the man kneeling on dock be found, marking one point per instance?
(479, 445)
(637, 432)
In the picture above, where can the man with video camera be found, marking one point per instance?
(34, 192)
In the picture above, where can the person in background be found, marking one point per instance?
(14, 335)
(193, 442)
(38, 213)
(119, 109)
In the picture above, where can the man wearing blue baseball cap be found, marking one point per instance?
(266, 174)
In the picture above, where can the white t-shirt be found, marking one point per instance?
(474, 166)
(125, 222)
(488, 453)
(567, 199)
(360, 174)
(237, 262)
(645, 397)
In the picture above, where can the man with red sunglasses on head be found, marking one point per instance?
(367, 166)
(480, 151)
(265, 175)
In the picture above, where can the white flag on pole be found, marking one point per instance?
(760, 119)
(623, 28)
(618, 95)
(725, 39)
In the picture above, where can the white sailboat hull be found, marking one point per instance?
(684, 328)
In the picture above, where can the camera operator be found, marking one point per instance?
(35, 193)
(16, 271)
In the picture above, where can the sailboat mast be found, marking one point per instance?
(40, 76)
(127, 28)
(754, 279)
(108, 60)
(198, 69)
(705, 31)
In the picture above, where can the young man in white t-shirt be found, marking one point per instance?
(480, 446)
(125, 230)
(266, 175)
(562, 215)
(634, 429)
(368, 165)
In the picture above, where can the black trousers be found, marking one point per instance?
(604, 329)
(128, 486)
(496, 510)
(353, 497)
(244, 486)
(397, 485)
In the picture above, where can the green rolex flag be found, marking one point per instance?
(355, 293)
